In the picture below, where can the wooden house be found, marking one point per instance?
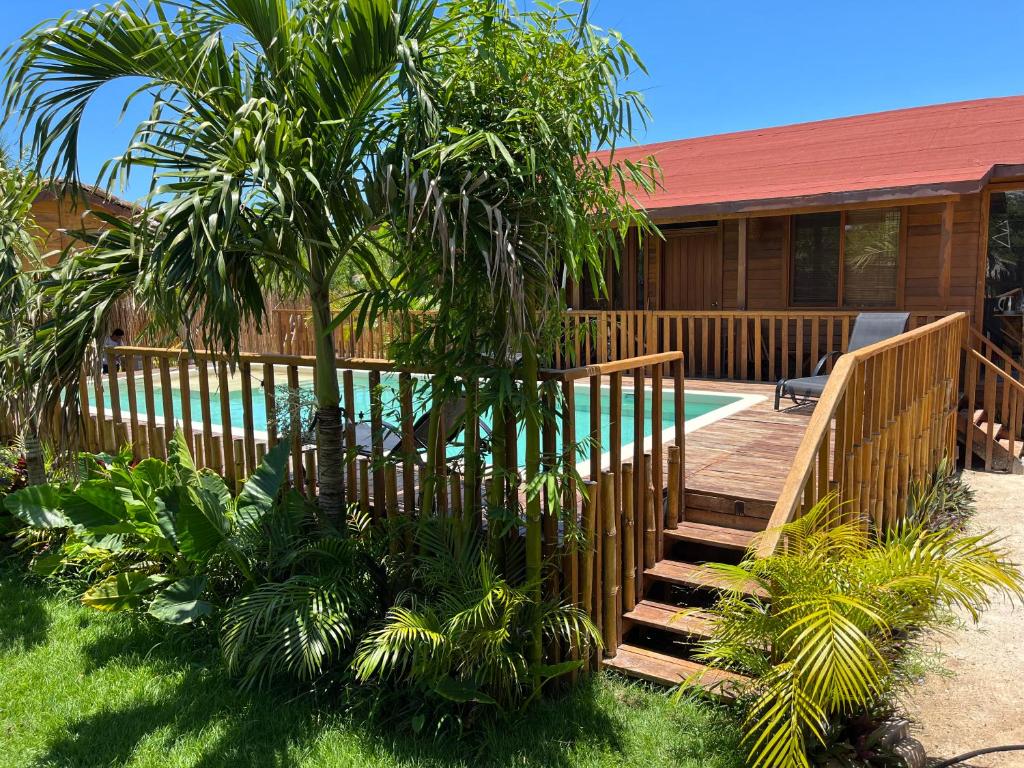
(918, 209)
(57, 215)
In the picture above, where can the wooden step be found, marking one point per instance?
(661, 668)
(713, 535)
(671, 618)
(694, 576)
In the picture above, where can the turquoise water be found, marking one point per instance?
(696, 405)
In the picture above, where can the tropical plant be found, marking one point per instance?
(274, 153)
(19, 257)
(839, 613)
(151, 534)
(13, 477)
(314, 591)
(462, 634)
(941, 499)
(505, 201)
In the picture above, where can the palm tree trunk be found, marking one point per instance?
(330, 453)
(35, 464)
(534, 556)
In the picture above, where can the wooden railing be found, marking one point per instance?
(750, 346)
(618, 511)
(886, 418)
(993, 388)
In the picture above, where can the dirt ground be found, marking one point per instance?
(982, 703)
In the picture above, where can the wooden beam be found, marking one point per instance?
(788, 207)
(741, 266)
(946, 254)
(982, 265)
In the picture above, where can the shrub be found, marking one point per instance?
(314, 589)
(941, 500)
(461, 634)
(13, 477)
(151, 535)
(841, 610)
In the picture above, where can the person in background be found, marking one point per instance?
(114, 340)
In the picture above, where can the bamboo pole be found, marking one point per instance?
(628, 540)
(590, 505)
(611, 585)
(673, 516)
(650, 534)
(239, 459)
(391, 493)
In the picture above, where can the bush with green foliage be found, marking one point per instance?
(311, 597)
(154, 535)
(941, 500)
(13, 477)
(460, 635)
(841, 610)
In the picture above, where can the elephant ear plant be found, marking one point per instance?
(151, 535)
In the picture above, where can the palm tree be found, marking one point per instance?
(19, 255)
(272, 144)
(513, 196)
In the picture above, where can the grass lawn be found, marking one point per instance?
(80, 688)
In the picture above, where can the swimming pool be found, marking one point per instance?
(700, 408)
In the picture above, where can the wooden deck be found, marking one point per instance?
(747, 455)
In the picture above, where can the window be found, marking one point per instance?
(846, 259)
(870, 257)
(816, 259)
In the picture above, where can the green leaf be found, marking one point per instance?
(121, 592)
(200, 523)
(258, 494)
(38, 506)
(458, 691)
(98, 507)
(47, 565)
(179, 603)
(151, 473)
(551, 671)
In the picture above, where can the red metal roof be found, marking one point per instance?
(905, 153)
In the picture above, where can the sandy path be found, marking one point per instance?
(982, 704)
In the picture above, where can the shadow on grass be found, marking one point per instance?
(185, 698)
(178, 697)
(24, 621)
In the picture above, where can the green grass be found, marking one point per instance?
(80, 688)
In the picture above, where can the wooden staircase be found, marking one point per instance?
(661, 631)
(991, 442)
(990, 423)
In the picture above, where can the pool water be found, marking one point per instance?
(696, 405)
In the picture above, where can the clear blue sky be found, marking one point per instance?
(717, 67)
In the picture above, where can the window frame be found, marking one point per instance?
(839, 304)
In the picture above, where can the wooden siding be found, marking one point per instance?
(54, 216)
(922, 274)
(922, 287)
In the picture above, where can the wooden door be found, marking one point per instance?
(691, 270)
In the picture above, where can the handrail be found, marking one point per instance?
(1007, 360)
(616, 366)
(895, 404)
(997, 370)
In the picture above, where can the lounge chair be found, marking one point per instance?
(868, 328)
(391, 434)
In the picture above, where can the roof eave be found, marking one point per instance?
(824, 201)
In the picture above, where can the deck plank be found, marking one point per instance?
(746, 455)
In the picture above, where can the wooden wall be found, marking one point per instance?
(768, 264)
(55, 215)
(922, 287)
